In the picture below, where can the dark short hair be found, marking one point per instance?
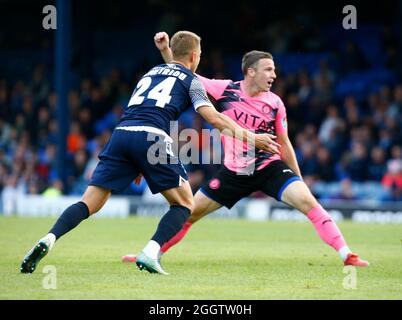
(183, 42)
(251, 58)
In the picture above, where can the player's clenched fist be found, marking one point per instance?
(161, 40)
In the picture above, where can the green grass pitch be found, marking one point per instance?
(219, 259)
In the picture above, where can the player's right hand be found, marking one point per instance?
(161, 40)
(266, 142)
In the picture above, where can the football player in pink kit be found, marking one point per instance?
(253, 106)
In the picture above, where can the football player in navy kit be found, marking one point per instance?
(140, 144)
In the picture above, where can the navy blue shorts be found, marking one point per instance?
(129, 153)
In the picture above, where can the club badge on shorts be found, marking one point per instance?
(214, 184)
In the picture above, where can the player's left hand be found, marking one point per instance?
(267, 142)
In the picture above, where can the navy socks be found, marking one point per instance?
(171, 224)
(70, 218)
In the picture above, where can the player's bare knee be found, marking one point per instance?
(307, 202)
(95, 197)
(188, 203)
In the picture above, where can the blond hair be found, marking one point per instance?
(183, 43)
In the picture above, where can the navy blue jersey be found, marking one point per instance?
(162, 95)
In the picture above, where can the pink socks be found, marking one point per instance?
(322, 221)
(326, 227)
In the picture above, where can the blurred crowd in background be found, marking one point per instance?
(343, 97)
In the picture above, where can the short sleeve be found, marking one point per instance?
(198, 95)
(281, 122)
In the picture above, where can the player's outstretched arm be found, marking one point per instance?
(161, 40)
(228, 127)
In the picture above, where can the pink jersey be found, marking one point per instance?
(264, 113)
